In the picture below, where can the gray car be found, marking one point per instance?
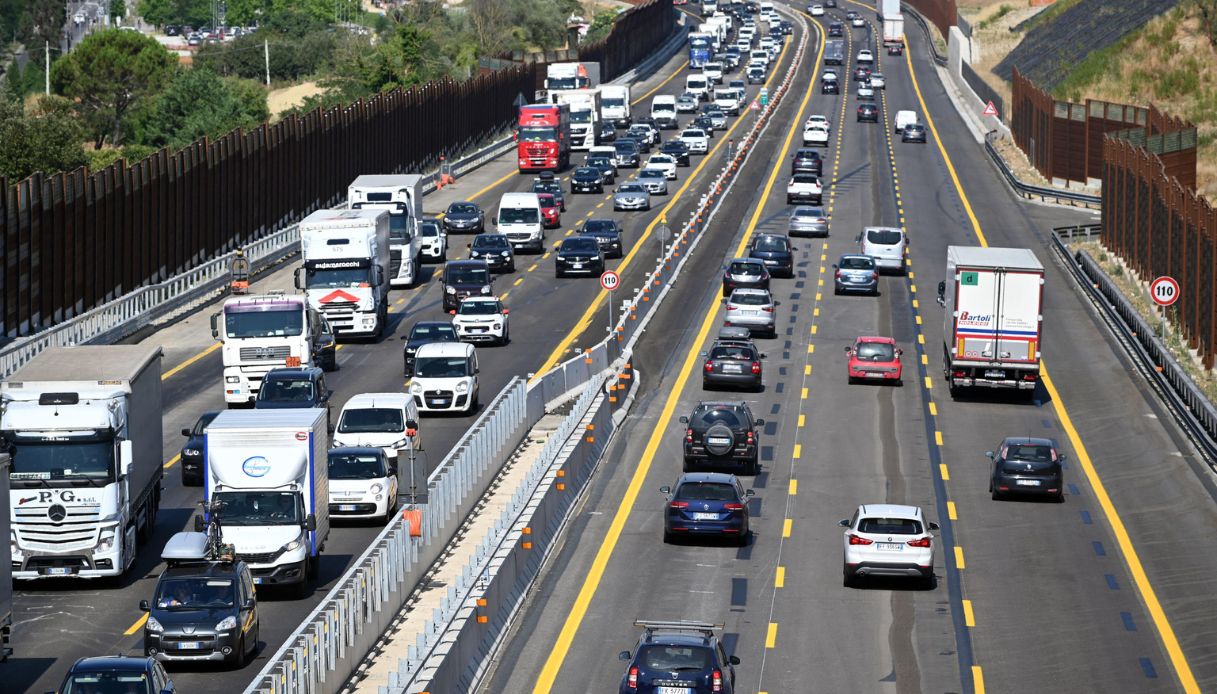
(808, 221)
(631, 196)
(654, 180)
(754, 309)
(855, 273)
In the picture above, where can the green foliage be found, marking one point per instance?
(40, 22)
(46, 137)
(197, 102)
(995, 17)
(161, 12)
(109, 74)
(1091, 69)
(1047, 15)
(118, 8)
(539, 23)
(10, 18)
(20, 83)
(99, 159)
(290, 58)
(601, 27)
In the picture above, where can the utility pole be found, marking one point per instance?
(48, 68)
(266, 59)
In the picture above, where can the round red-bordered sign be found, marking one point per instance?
(610, 280)
(1164, 290)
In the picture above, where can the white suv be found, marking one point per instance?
(482, 319)
(445, 377)
(696, 140)
(888, 540)
(815, 135)
(381, 420)
(886, 245)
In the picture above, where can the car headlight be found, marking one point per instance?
(153, 625)
(337, 443)
(416, 387)
(293, 545)
(226, 624)
(232, 379)
(505, 254)
(486, 289)
(106, 543)
(474, 254)
(450, 290)
(376, 488)
(462, 387)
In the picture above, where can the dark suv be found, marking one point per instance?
(607, 233)
(116, 673)
(1027, 466)
(465, 278)
(707, 503)
(723, 434)
(293, 387)
(868, 112)
(806, 160)
(192, 452)
(732, 363)
(678, 656)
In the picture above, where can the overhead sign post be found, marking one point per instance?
(1164, 291)
(610, 281)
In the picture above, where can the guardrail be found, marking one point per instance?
(1030, 192)
(1193, 411)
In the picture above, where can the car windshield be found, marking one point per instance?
(478, 308)
(693, 133)
(356, 466)
(706, 491)
(195, 593)
(1029, 452)
(548, 201)
(200, 425)
(110, 681)
(588, 245)
(631, 188)
(274, 323)
(440, 367)
(747, 269)
(490, 242)
(551, 187)
(856, 263)
(731, 352)
(587, 173)
(259, 508)
(720, 415)
(750, 298)
(875, 351)
(519, 215)
(772, 243)
(651, 173)
(599, 225)
(429, 229)
(890, 526)
(433, 332)
(286, 390)
(674, 658)
(462, 208)
(883, 237)
(808, 213)
(378, 419)
(599, 162)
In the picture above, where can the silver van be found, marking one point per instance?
(886, 245)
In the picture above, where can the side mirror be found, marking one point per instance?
(933, 525)
(848, 349)
(844, 522)
(469, 245)
(684, 419)
(126, 454)
(665, 489)
(734, 660)
(411, 424)
(392, 471)
(834, 266)
(989, 454)
(749, 492)
(215, 325)
(624, 655)
(296, 278)
(185, 432)
(144, 606)
(310, 523)
(249, 604)
(777, 303)
(380, 276)
(760, 422)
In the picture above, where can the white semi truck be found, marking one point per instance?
(571, 76)
(83, 428)
(260, 333)
(584, 114)
(615, 104)
(992, 323)
(401, 195)
(346, 267)
(267, 469)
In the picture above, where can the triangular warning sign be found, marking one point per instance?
(990, 110)
(755, 106)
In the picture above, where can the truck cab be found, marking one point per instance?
(401, 196)
(263, 332)
(346, 268)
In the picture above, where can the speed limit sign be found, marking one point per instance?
(1164, 291)
(610, 280)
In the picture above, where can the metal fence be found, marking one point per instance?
(941, 13)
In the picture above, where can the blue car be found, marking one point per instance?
(855, 272)
(686, 657)
(116, 673)
(713, 504)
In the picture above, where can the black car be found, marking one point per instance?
(629, 154)
(293, 387)
(464, 217)
(830, 87)
(203, 608)
(678, 656)
(913, 132)
(836, 29)
(606, 131)
(788, 27)
(425, 332)
(775, 251)
(1024, 465)
(586, 179)
(192, 452)
(868, 112)
(552, 187)
(465, 278)
(608, 233)
(722, 434)
(745, 273)
(706, 123)
(604, 164)
(116, 673)
(756, 75)
(710, 504)
(732, 363)
(641, 137)
(678, 150)
(495, 250)
(172, 30)
(806, 160)
(325, 349)
(579, 254)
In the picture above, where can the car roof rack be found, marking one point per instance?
(652, 626)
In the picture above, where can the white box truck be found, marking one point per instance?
(585, 107)
(572, 75)
(615, 104)
(893, 30)
(992, 323)
(401, 195)
(83, 428)
(267, 469)
(346, 268)
(6, 571)
(260, 333)
(884, 8)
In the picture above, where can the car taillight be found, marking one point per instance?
(716, 681)
(632, 680)
(767, 309)
(734, 507)
(756, 367)
(732, 307)
(1031, 377)
(857, 540)
(689, 436)
(959, 374)
(679, 504)
(874, 274)
(709, 366)
(923, 542)
(751, 439)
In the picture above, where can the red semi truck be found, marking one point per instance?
(543, 137)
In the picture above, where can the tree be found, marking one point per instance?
(601, 27)
(46, 137)
(487, 18)
(540, 23)
(198, 102)
(118, 8)
(41, 22)
(110, 73)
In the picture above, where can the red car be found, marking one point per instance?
(875, 359)
(551, 211)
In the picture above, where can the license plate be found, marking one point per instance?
(732, 368)
(1027, 483)
(257, 580)
(347, 507)
(477, 330)
(874, 374)
(718, 441)
(888, 546)
(438, 403)
(577, 266)
(995, 373)
(190, 645)
(673, 690)
(705, 516)
(58, 571)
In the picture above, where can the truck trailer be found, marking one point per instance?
(346, 268)
(83, 428)
(615, 104)
(993, 318)
(584, 114)
(401, 195)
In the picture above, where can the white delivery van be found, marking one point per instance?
(759, 55)
(663, 110)
(446, 377)
(382, 420)
(886, 245)
(519, 219)
(904, 118)
(699, 85)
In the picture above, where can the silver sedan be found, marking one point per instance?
(655, 181)
(631, 196)
(754, 309)
(808, 221)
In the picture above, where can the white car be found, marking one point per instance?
(865, 56)
(817, 10)
(877, 80)
(804, 187)
(654, 179)
(686, 103)
(363, 483)
(445, 377)
(382, 420)
(815, 136)
(665, 163)
(819, 121)
(433, 240)
(865, 93)
(696, 139)
(858, 21)
(482, 319)
(713, 72)
(888, 540)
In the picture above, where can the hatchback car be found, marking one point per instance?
(686, 103)
(756, 75)
(734, 364)
(855, 273)
(816, 10)
(587, 179)
(705, 123)
(722, 434)
(806, 161)
(554, 188)
(462, 278)
(434, 240)
(654, 180)
(1024, 465)
(678, 150)
(808, 221)
(707, 503)
(754, 309)
(293, 387)
(579, 255)
(495, 250)
(425, 332)
(886, 245)
(830, 86)
(363, 482)
(551, 212)
(718, 119)
(106, 673)
(604, 164)
(631, 196)
(747, 273)
(877, 80)
(775, 251)
(607, 233)
(874, 359)
(888, 540)
(482, 319)
(865, 56)
(192, 452)
(464, 217)
(641, 140)
(861, 73)
(914, 132)
(868, 112)
(685, 657)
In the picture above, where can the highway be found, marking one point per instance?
(58, 622)
(1113, 590)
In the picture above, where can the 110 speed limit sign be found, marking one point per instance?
(610, 280)
(1164, 291)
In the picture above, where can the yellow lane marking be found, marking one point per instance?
(807, 369)
(978, 680)
(779, 581)
(802, 420)
(959, 562)
(139, 624)
(951, 511)
(503, 296)
(517, 282)
(191, 360)
(933, 410)
(794, 488)
(928, 383)
(172, 461)
(942, 470)
(804, 397)
(968, 618)
(771, 636)
(787, 527)
(401, 301)
(811, 348)
(339, 346)
(798, 451)
(532, 267)
(938, 437)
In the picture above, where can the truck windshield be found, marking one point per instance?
(581, 116)
(264, 323)
(440, 367)
(519, 215)
(195, 593)
(563, 83)
(613, 103)
(333, 278)
(538, 134)
(399, 228)
(356, 466)
(371, 419)
(62, 460)
(259, 508)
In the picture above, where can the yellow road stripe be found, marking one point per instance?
(938, 437)
(794, 488)
(771, 636)
(779, 581)
(170, 463)
(959, 562)
(139, 624)
(968, 617)
(804, 394)
(978, 680)
(787, 527)
(802, 420)
(798, 451)
(191, 360)
(942, 470)
(933, 410)
(951, 511)
(517, 282)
